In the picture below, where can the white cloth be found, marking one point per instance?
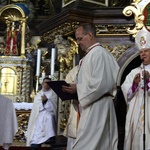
(23, 106)
(42, 121)
(97, 76)
(8, 122)
(134, 118)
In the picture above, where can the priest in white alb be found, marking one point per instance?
(136, 90)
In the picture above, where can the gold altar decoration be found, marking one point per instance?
(112, 29)
(34, 41)
(22, 118)
(16, 62)
(63, 29)
(15, 78)
(65, 110)
(68, 28)
(66, 49)
(116, 50)
(139, 8)
(15, 19)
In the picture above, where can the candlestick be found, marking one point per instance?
(52, 61)
(38, 62)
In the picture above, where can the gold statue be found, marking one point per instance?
(66, 50)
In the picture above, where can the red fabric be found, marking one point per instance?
(11, 36)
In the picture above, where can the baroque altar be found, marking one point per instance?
(18, 58)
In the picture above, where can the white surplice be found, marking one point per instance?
(134, 118)
(8, 122)
(42, 121)
(97, 76)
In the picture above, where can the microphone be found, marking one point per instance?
(144, 81)
(144, 85)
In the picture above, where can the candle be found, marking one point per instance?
(38, 62)
(52, 61)
(12, 39)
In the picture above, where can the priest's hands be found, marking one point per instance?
(137, 79)
(70, 88)
(44, 99)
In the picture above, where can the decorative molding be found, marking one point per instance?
(117, 50)
(69, 28)
(113, 29)
(64, 29)
(138, 8)
(22, 73)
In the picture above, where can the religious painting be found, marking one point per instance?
(67, 2)
(8, 81)
(98, 2)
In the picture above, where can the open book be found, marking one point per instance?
(57, 88)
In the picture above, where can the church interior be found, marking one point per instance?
(37, 40)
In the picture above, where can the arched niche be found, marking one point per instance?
(15, 16)
(128, 61)
(8, 80)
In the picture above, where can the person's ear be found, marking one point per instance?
(90, 35)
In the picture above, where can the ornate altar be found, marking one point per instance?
(113, 32)
(16, 69)
(18, 54)
(15, 78)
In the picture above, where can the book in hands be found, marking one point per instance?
(57, 88)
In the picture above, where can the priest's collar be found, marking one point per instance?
(92, 46)
(146, 66)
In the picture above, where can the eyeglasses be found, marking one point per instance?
(80, 38)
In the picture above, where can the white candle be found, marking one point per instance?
(52, 61)
(12, 39)
(38, 62)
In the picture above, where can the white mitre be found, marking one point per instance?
(142, 39)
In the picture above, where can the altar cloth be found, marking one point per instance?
(23, 106)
